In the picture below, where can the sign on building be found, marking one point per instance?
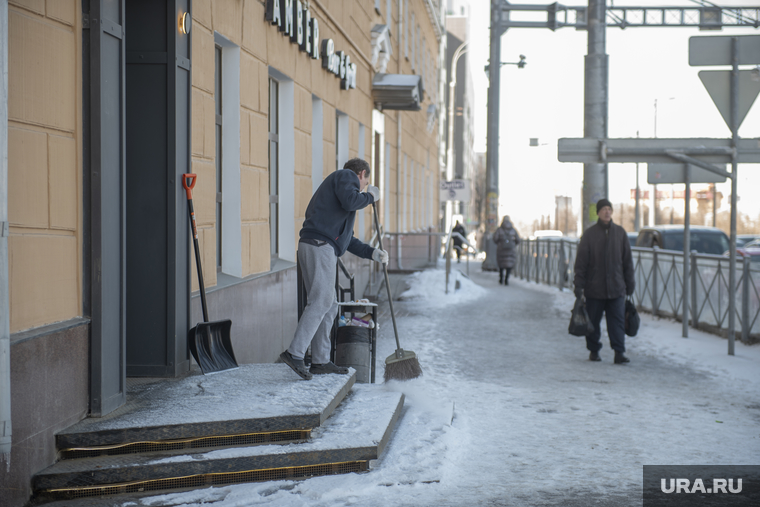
(456, 190)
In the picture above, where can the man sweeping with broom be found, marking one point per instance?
(326, 234)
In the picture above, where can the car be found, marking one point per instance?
(751, 250)
(632, 236)
(743, 239)
(706, 240)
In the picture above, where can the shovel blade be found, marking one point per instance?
(211, 346)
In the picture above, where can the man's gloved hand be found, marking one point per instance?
(578, 292)
(380, 255)
(628, 292)
(374, 192)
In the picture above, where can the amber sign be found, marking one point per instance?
(293, 18)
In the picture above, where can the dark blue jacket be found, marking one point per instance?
(331, 212)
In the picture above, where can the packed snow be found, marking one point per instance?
(510, 412)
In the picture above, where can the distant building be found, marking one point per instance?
(458, 31)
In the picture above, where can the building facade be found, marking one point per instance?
(110, 102)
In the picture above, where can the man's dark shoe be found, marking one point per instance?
(620, 358)
(321, 369)
(594, 356)
(296, 364)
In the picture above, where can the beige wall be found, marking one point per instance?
(44, 161)
(349, 24)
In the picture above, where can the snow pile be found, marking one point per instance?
(430, 287)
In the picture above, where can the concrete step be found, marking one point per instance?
(357, 432)
(253, 404)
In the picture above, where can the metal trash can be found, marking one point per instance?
(353, 347)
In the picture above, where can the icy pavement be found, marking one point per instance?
(534, 422)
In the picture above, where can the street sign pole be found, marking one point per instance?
(492, 133)
(686, 291)
(734, 181)
(595, 109)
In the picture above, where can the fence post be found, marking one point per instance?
(655, 299)
(745, 299)
(561, 271)
(538, 261)
(694, 305)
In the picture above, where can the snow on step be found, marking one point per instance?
(357, 431)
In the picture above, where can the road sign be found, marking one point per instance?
(455, 190)
(599, 151)
(713, 50)
(674, 173)
(718, 85)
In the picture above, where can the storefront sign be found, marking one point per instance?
(293, 18)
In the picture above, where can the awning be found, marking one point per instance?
(397, 92)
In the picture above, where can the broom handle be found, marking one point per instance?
(385, 272)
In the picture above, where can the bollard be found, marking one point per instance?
(561, 269)
(694, 304)
(655, 267)
(745, 299)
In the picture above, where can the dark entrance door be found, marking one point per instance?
(103, 45)
(157, 153)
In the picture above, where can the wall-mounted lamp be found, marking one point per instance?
(185, 22)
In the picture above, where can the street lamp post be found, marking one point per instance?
(462, 49)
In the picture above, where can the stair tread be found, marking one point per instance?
(358, 430)
(264, 397)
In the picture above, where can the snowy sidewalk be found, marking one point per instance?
(534, 422)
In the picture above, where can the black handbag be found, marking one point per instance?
(632, 319)
(580, 324)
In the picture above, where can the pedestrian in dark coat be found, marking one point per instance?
(506, 239)
(458, 243)
(604, 274)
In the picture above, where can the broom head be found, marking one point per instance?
(402, 365)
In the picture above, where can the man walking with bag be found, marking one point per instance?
(327, 233)
(604, 275)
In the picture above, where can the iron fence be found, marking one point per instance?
(659, 283)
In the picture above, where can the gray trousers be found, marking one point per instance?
(318, 267)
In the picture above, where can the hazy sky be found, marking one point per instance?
(545, 101)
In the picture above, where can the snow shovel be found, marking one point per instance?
(209, 342)
(402, 364)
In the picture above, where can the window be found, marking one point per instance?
(317, 160)
(227, 157)
(413, 34)
(274, 140)
(341, 139)
(218, 128)
(406, 29)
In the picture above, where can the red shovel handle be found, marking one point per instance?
(189, 186)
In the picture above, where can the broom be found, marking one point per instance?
(402, 364)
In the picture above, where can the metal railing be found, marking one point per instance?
(659, 283)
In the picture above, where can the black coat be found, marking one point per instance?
(331, 212)
(506, 239)
(460, 229)
(604, 265)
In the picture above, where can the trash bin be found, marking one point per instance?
(353, 347)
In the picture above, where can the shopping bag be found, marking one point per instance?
(580, 324)
(632, 319)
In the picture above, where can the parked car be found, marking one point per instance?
(632, 236)
(709, 240)
(743, 239)
(751, 250)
